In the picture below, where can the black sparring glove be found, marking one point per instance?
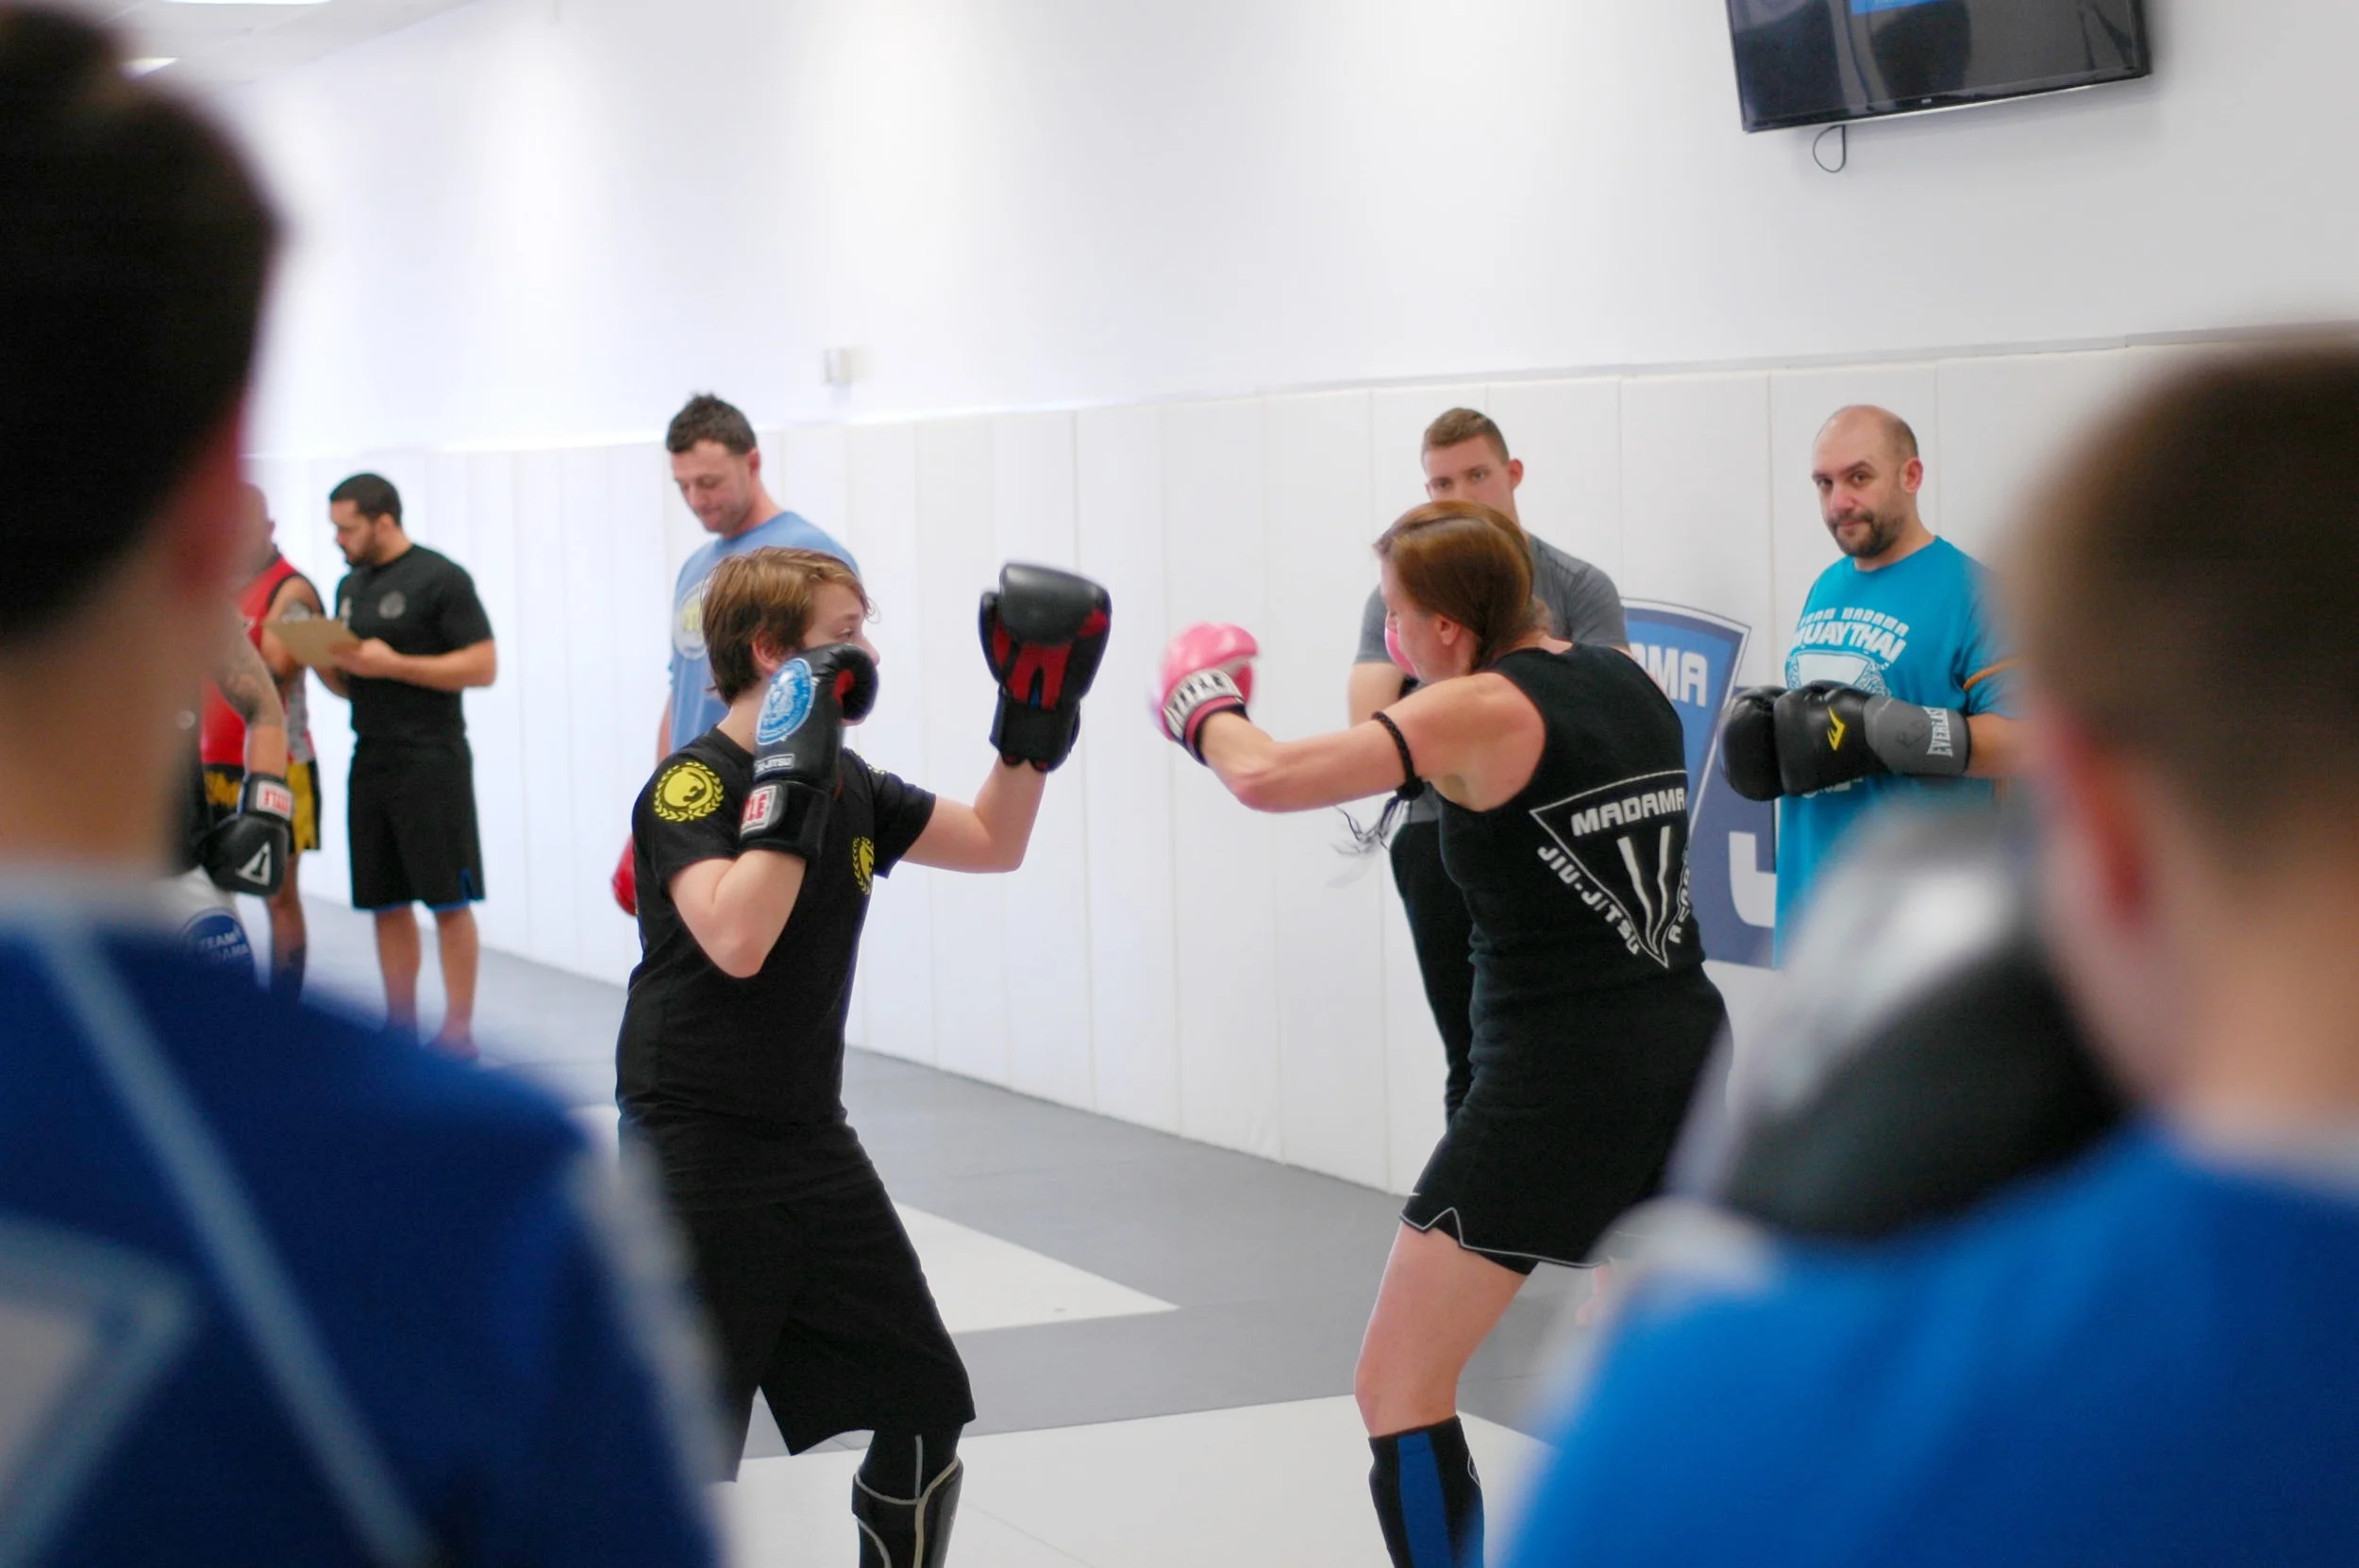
(1749, 743)
(1043, 633)
(1830, 734)
(246, 851)
(799, 741)
(1920, 1056)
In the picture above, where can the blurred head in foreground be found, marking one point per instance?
(133, 251)
(2188, 599)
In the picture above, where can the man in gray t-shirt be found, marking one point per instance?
(1465, 460)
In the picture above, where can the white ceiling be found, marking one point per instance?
(222, 45)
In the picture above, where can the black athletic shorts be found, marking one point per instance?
(411, 817)
(820, 1303)
(1561, 1133)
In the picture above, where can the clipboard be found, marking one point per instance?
(314, 641)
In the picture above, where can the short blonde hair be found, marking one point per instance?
(763, 594)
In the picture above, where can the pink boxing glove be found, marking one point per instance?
(1207, 670)
(1392, 646)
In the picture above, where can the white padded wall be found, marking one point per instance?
(1215, 566)
(2005, 420)
(896, 961)
(1046, 952)
(1800, 402)
(1128, 769)
(1568, 436)
(954, 558)
(594, 737)
(1330, 938)
(553, 834)
(495, 715)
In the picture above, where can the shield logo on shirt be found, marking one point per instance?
(391, 605)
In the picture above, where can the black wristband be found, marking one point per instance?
(1410, 784)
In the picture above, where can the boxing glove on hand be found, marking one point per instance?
(1207, 669)
(1830, 734)
(799, 741)
(626, 882)
(1044, 634)
(1749, 743)
(1920, 1056)
(247, 852)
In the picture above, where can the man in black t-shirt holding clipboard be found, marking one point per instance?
(424, 639)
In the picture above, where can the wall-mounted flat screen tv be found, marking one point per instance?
(1807, 62)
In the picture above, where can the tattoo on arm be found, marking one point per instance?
(246, 685)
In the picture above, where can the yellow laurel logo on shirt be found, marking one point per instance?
(864, 864)
(687, 791)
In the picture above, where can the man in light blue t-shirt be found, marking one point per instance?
(1896, 687)
(717, 466)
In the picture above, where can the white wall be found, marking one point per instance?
(523, 230)
(545, 221)
(1164, 955)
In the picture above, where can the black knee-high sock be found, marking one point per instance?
(905, 1497)
(1427, 1497)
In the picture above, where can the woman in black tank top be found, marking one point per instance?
(1565, 821)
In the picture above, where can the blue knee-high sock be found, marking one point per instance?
(1427, 1497)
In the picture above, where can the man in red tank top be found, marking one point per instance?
(276, 591)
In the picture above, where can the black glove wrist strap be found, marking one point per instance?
(790, 817)
(1041, 736)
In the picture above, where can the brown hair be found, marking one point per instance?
(2189, 593)
(1462, 559)
(133, 249)
(704, 417)
(763, 595)
(1464, 424)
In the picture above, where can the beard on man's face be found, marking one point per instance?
(1873, 540)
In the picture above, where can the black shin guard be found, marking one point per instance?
(905, 1497)
(1427, 1497)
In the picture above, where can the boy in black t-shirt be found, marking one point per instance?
(756, 849)
(409, 811)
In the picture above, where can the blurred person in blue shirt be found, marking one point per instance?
(275, 1288)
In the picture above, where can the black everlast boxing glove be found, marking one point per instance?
(798, 740)
(1749, 743)
(1920, 1056)
(247, 852)
(1830, 734)
(1043, 633)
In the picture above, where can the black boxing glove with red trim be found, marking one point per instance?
(1044, 634)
